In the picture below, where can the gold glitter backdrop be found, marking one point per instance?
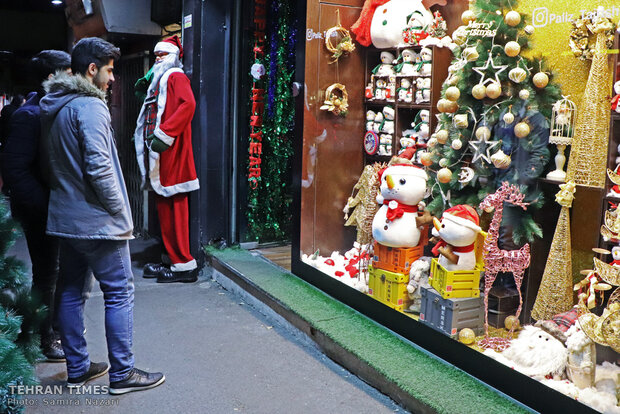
(552, 22)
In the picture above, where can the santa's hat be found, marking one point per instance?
(361, 28)
(463, 215)
(170, 45)
(404, 160)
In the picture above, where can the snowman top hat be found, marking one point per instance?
(361, 28)
(464, 215)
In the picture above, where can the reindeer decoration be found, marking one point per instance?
(497, 260)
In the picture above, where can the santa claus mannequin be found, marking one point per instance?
(163, 140)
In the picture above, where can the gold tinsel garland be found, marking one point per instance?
(364, 203)
(582, 43)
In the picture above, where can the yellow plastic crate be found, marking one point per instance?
(459, 283)
(389, 288)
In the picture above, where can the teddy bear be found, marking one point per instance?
(418, 278)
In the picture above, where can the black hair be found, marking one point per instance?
(48, 62)
(92, 50)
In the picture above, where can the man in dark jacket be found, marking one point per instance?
(23, 178)
(6, 114)
(89, 211)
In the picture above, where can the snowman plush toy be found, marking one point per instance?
(615, 104)
(382, 22)
(456, 235)
(398, 223)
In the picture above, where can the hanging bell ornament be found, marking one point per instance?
(471, 54)
(453, 93)
(512, 48)
(517, 75)
(459, 36)
(443, 162)
(426, 159)
(512, 18)
(509, 118)
(460, 121)
(524, 94)
(479, 91)
(540, 80)
(522, 130)
(501, 160)
(457, 144)
(441, 136)
(444, 175)
(529, 29)
(483, 133)
(494, 90)
(468, 16)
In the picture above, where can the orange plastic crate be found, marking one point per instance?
(398, 259)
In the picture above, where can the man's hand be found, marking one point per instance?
(156, 144)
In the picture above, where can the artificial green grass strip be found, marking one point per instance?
(442, 387)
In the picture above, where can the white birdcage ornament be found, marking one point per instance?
(561, 134)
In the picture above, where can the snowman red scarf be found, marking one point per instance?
(396, 209)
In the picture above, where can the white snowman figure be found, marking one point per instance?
(422, 126)
(370, 120)
(380, 90)
(385, 144)
(407, 66)
(388, 116)
(405, 91)
(376, 127)
(458, 230)
(386, 67)
(426, 57)
(403, 186)
(383, 24)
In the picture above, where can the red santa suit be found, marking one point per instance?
(171, 173)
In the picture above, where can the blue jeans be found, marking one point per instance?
(110, 263)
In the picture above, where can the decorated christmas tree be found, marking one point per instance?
(494, 123)
(20, 315)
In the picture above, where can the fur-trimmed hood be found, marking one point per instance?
(62, 88)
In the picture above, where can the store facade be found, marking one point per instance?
(480, 108)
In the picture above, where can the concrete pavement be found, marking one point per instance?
(219, 355)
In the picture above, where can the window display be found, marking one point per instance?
(437, 194)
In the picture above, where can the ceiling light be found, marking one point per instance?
(56, 2)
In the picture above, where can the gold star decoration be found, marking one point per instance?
(481, 70)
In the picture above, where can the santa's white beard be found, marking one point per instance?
(168, 62)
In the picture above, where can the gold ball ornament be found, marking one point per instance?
(442, 136)
(451, 106)
(511, 322)
(444, 175)
(457, 144)
(443, 162)
(512, 18)
(479, 91)
(468, 16)
(494, 90)
(483, 133)
(460, 121)
(529, 29)
(432, 142)
(540, 80)
(508, 118)
(522, 130)
(524, 94)
(459, 36)
(426, 159)
(501, 160)
(471, 54)
(517, 75)
(512, 48)
(453, 93)
(467, 336)
(441, 105)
